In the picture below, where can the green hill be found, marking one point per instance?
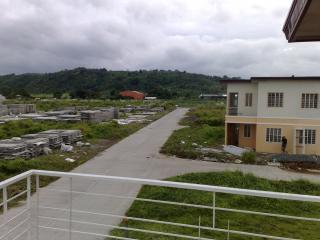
(102, 83)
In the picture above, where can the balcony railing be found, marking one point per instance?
(233, 111)
(37, 219)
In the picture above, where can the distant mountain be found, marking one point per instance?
(101, 83)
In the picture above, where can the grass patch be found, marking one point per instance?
(184, 142)
(107, 130)
(249, 157)
(205, 114)
(204, 127)
(251, 223)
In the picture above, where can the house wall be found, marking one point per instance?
(287, 131)
(247, 142)
(242, 89)
(289, 117)
(292, 93)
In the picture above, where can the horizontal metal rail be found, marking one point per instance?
(192, 205)
(181, 185)
(133, 229)
(158, 222)
(86, 233)
(15, 197)
(16, 179)
(158, 183)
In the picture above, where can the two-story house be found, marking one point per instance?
(262, 110)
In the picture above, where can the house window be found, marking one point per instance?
(309, 136)
(248, 99)
(273, 135)
(275, 99)
(309, 100)
(247, 131)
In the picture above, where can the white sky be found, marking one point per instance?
(216, 37)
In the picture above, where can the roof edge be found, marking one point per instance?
(235, 81)
(286, 78)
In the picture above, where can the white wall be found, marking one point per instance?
(242, 89)
(292, 91)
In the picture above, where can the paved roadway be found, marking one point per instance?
(136, 156)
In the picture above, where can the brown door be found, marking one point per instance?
(233, 134)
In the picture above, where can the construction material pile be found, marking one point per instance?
(33, 145)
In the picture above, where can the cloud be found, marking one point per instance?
(233, 37)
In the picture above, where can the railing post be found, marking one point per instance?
(199, 230)
(228, 230)
(29, 205)
(126, 222)
(213, 210)
(37, 206)
(70, 210)
(5, 207)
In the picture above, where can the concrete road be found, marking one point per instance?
(136, 156)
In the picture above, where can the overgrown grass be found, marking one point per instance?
(184, 142)
(204, 128)
(249, 157)
(107, 130)
(238, 221)
(211, 114)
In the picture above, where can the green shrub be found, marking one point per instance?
(248, 157)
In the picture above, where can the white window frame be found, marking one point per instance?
(273, 135)
(248, 99)
(247, 131)
(310, 136)
(309, 100)
(275, 99)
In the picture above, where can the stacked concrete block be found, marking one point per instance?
(17, 109)
(69, 118)
(11, 150)
(35, 146)
(54, 139)
(97, 116)
(68, 136)
(3, 110)
(157, 109)
(59, 113)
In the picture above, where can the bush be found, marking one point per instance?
(248, 157)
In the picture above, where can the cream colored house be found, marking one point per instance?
(262, 110)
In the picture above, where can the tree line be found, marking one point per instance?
(105, 84)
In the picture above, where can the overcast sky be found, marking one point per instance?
(216, 37)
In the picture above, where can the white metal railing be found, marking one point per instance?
(28, 221)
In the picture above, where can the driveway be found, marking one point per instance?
(136, 156)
